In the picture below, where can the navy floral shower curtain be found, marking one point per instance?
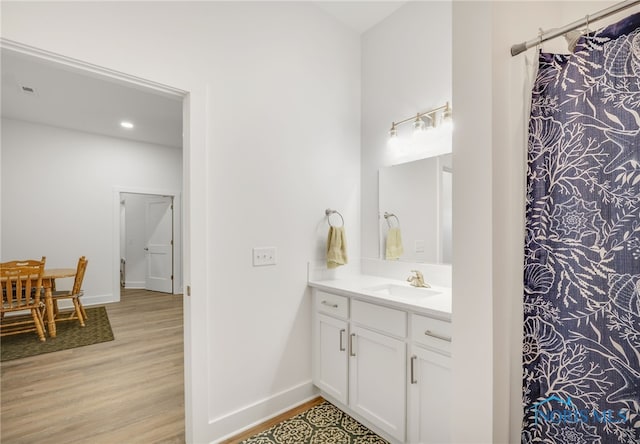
(581, 350)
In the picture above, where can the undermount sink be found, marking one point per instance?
(405, 291)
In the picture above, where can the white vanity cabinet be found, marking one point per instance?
(429, 381)
(386, 366)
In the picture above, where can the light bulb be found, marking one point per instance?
(418, 124)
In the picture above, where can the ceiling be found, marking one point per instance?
(360, 15)
(49, 93)
(67, 98)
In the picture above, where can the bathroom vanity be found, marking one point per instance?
(381, 352)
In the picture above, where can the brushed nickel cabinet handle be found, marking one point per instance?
(351, 348)
(413, 360)
(342, 332)
(329, 304)
(437, 336)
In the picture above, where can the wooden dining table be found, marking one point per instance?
(48, 279)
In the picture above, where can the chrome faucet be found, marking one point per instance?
(417, 279)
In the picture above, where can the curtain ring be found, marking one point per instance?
(539, 44)
(587, 31)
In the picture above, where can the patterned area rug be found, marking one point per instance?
(322, 424)
(69, 335)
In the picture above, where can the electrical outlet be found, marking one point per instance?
(419, 246)
(264, 256)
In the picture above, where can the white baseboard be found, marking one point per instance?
(135, 285)
(99, 299)
(243, 419)
(87, 301)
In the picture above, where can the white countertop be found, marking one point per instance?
(359, 287)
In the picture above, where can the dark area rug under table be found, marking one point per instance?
(69, 334)
(321, 424)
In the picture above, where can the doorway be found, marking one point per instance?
(150, 247)
(109, 76)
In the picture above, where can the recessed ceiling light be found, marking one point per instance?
(127, 125)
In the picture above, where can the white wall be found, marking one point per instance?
(472, 349)
(489, 154)
(272, 139)
(58, 190)
(406, 69)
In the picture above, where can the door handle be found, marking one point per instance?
(351, 349)
(342, 332)
(437, 336)
(146, 249)
(413, 360)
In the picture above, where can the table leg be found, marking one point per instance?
(48, 302)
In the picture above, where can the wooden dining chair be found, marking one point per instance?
(22, 290)
(74, 294)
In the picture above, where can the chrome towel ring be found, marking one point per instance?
(389, 215)
(329, 212)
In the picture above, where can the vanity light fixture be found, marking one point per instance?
(447, 115)
(393, 132)
(447, 118)
(127, 125)
(419, 124)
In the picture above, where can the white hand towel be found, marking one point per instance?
(394, 244)
(336, 247)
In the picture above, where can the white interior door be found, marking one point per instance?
(159, 246)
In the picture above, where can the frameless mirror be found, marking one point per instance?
(414, 206)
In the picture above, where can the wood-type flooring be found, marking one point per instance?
(129, 390)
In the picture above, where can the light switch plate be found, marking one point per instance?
(419, 246)
(264, 256)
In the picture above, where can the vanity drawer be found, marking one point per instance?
(332, 304)
(431, 332)
(384, 319)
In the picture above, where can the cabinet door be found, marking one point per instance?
(330, 363)
(429, 397)
(377, 380)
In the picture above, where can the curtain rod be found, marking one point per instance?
(552, 34)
